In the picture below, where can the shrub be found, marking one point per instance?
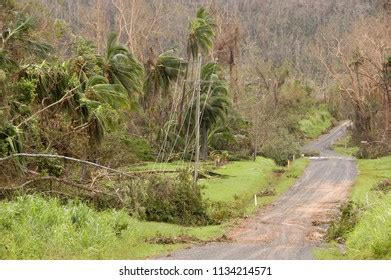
(317, 121)
(50, 166)
(311, 153)
(176, 200)
(220, 212)
(25, 91)
(119, 149)
(282, 148)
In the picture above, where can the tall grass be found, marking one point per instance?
(33, 227)
(371, 236)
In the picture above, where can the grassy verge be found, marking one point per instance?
(39, 228)
(369, 237)
(343, 147)
(246, 178)
(243, 178)
(33, 227)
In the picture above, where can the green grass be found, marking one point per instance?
(245, 178)
(343, 147)
(283, 183)
(317, 122)
(33, 227)
(371, 172)
(241, 178)
(371, 237)
(166, 166)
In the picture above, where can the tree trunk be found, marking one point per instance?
(204, 142)
(363, 123)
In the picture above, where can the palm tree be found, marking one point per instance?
(121, 67)
(214, 102)
(200, 39)
(160, 71)
(201, 34)
(100, 102)
(18, 37)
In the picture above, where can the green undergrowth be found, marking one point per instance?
(364, 231)
(372, 171)
(35, 227)
(317, 122)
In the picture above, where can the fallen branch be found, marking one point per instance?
(65, 158)
(127, 174)
(66, 96)
(51, 178)
(90, 193)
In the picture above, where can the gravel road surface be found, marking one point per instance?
(295, 224)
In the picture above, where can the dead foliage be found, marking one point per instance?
(267, 192)
(279, 171)
(184, 239)
(383, 186)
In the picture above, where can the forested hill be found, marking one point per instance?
(278, 30)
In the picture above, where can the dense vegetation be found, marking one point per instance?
(98, 111)
(74, 230)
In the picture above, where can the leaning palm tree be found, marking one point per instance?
(160, 72)
(200, 39)
(201, 35)
(214, 102)
(121, 67)
(18, 37)
(100, 102)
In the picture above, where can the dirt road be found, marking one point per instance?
(295, 223)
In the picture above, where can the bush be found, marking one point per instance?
(371, 238)
(311, 153)
(50, 166)
(220, 212)
(383, 186)
(119, 148)
(282, 148)
(373, 150)
(317, 121)
(175, 200)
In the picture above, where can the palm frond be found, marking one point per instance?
(201, 35)
(19, 35)
(160, 73)
(122, 67)
(215, 101)
(100, 90)
(5, 60)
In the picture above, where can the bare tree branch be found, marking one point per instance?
(132, 174)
